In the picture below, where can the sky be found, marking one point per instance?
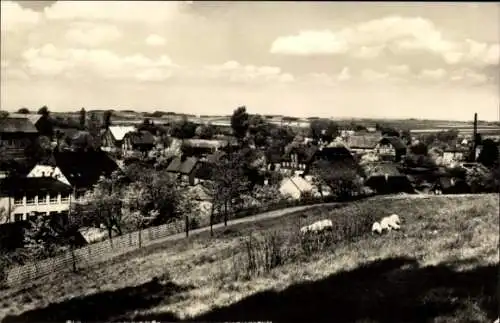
(328, 59)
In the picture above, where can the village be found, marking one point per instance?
(57, 170)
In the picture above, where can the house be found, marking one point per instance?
(84, 169)
(184, 169)
(295, 187)
(202, 147)
(362, 143)
(112, 138)
(141, 141)
(42, 123)
(335, 151)
(298, 159)
(385, 178)
(454, 154)
(16, 135)
(391, 149)
(26, 196)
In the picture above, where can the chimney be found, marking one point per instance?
(474, 138)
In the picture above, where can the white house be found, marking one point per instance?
(22, 197)
(295, 187)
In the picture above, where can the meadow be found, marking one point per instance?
(441, 267)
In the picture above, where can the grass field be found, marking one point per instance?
(442, 267)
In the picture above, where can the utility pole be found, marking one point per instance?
(474, 138)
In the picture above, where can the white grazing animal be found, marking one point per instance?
(395, 218)
(376, 228)
(317, 226)
(385, 224)
(497, 320)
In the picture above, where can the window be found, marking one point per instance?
(18, 200)
(42, 200)
(53, 199)
(18, 217)
(30, 200)
(65, 198)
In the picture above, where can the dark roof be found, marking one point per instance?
(336, 152)
(17, 125)
(204, 170)
(142, 137)
(83, 169)
(177, 165)
(396, 142)
(33, 185)
(305, 154)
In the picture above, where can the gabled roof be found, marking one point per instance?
(177, 165)
(17, 125)
(382, 169)
(119, 132)
(33, 118)
(367, 141)
(396, 142)
(83, 169)
(33, 185)
(142, 137)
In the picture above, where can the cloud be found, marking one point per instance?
(401, 35)
(14, 17)
(468, 76)
(372, 75)
(235, 72)
(432, 75)
(400, 70)
(309, 43)
(92, 34)
(344, 75)
(77, 63)
(155, 40)
(115, 11)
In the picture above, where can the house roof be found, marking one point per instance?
(367, 141)
(204, 170)
(119, 132)
(177, 165)
(83, 169)
(396, 142)
(305, 154)
(33, 118)
(204, 143)
(33, 185)
(216, 156)
(17, 125)
(382, 169)
(142, 137)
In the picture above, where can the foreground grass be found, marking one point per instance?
(443, 237)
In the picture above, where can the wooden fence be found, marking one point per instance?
(105, 250)
(93, 253)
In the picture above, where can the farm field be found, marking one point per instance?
(441, 267)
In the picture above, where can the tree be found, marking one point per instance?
(106, 118)
(93, 124)
(489, 154)
(82, 119)
(447, 136)
(419, 149)
(205, 131)
(44, 111)
(184, 129)
(342, 178)
(240, 123)
(324, 129)
(23, 111)
(3, 114)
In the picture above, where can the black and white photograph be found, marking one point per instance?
(250, 161)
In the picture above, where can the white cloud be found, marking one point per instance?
(372, 75)
(115, 11)
(309, 43)
(399, 70)
(400, 34)
(155, 40)
(468, 76)
(75, 63)
(344, 75)
(235, 72)
(432, 75)
(92, 34)
(14, 17)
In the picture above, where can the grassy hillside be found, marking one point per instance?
(442, 267)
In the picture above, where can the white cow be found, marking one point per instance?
(497, 320)
(317, 227)
(391, 222)
(376, 228)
